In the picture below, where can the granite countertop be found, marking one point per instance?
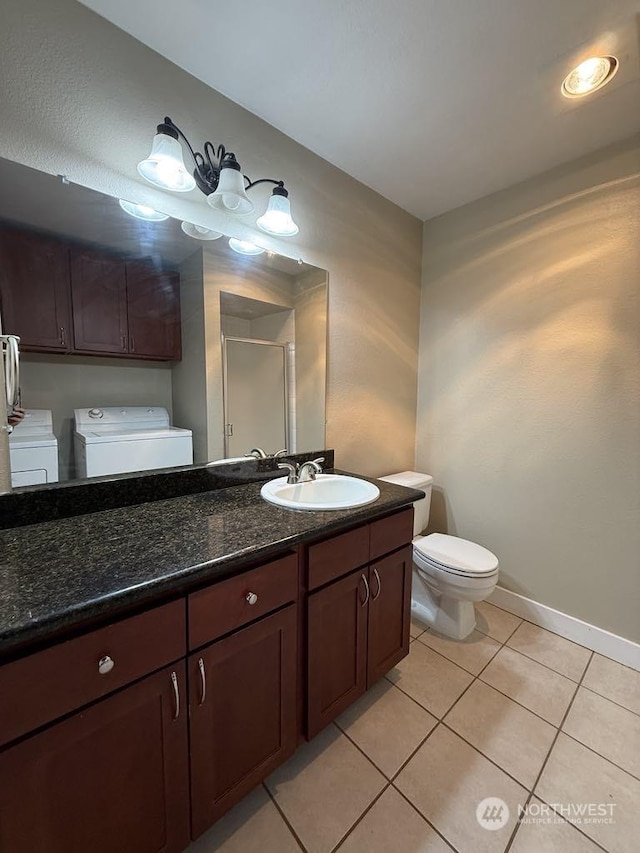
(58, 575)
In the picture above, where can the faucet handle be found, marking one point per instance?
(282, 452)
(292, 477)
(319, 460)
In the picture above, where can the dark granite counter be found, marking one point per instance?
(58, 575)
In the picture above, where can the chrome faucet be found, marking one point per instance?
(258, 453)
(311, 469)
(292, 468)
(297, 472)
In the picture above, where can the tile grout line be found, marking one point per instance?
(535, 713)
(426, 820)
(475, 677)
(390, 781)
(599, 754)
(285, 819)
(486, 757)
(546, 761)
(359, 820)
(459, 665)
(608, 698)
(546, 666)
(575, 826)
(361, 750)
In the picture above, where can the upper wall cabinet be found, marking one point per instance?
(34, 289)
(153, 304)
(86, 302)
(99, 299)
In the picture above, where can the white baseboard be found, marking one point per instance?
(604, 642)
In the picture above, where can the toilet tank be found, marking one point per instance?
(415, 480)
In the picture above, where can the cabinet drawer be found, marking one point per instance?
(391, 533)
(223, 607)
(338, 556)
(53, 682)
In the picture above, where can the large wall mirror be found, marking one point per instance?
(144, 345)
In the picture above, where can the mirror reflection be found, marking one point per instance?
(149, 343)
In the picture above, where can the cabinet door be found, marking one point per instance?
(242, 707)
(153, 298)
(99, 297)
(337, 652)
(110, 779)
(389, 612)
(34, 288)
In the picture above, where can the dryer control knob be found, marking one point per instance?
(96, 413)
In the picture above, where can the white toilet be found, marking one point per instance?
(449, 573)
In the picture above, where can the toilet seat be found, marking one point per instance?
(455, 555)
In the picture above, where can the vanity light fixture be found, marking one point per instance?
(142, 211)
(217, 174)
(593, 73)
(244, 247)
(199, 232)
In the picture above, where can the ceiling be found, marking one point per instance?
(432, 103)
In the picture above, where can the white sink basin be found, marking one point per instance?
(327, 491)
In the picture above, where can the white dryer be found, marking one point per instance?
(118, 440)
(33, 450)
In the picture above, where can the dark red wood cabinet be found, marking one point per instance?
(358, 625)
(99, 299)
(242, 708)
(136, 736)
(337, 649)
(34, 291)
(68, 299)
(153, 300)
(389, 613)
(110, 779)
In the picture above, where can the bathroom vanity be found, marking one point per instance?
(165, 658)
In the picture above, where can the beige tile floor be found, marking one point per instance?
(514, 712)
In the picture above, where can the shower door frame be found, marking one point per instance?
(225, 385)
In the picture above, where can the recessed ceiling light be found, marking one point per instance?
(199, 232)
(142, 211)
(590, 75)
(244, 247)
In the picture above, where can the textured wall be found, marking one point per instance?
(529, 393)
(82, 98)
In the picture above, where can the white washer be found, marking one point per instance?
(118, 440)
(33, 450)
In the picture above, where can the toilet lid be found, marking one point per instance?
(456, 554)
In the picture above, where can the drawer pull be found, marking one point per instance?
(203, 681)
(176, 695)
(105, 664)
(366, 589)
(377, 577)
(251, 597)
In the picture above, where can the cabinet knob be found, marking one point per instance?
(251, 597)
(105, 665)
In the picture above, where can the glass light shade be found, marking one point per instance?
(277, 218)
(230, 194)
(142, 211)
(590, 75)
(199, 232)
(243, 247)
(165, 167)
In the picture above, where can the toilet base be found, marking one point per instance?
(451, 618)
